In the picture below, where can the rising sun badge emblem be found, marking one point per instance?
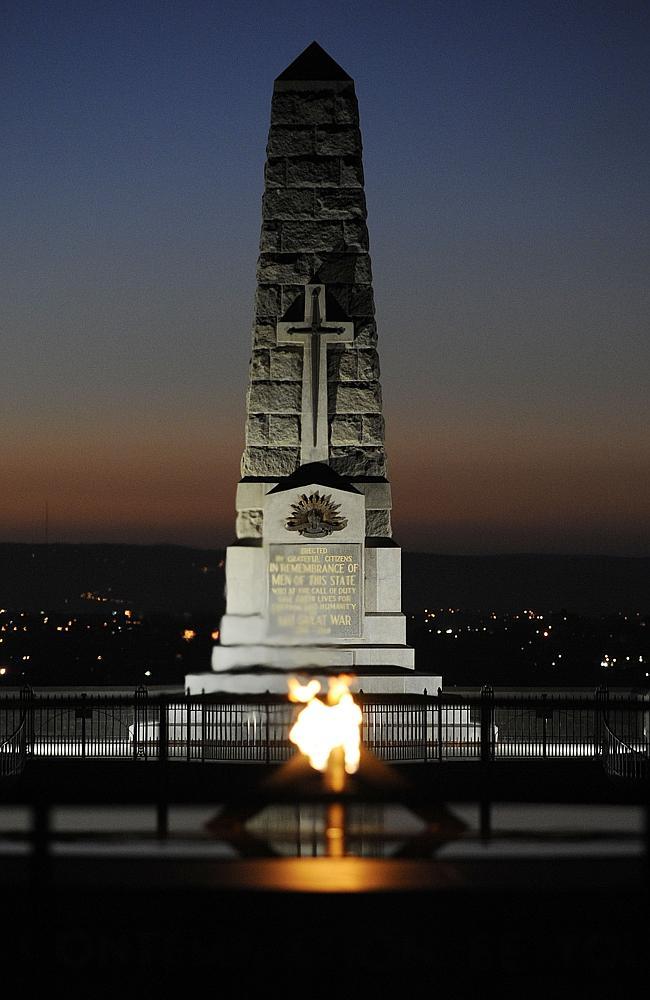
(315, 516)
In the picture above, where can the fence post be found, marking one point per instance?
(439, 724)
(163, 735)
(83, 723)
(27, 713)
(600, 735)
(268, 732)
(162, 805)
(188, 697)
(425, 731)
(139, 711)
(487, 733)
(487, 723)
(203, 725)
(544, 726)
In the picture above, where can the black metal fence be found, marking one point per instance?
(13, 752)
(625, 739)
(14, 735)
(144, 726)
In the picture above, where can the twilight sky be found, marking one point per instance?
(507, 152)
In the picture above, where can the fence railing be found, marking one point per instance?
(143, 726)
(15, 735)
(626, 740)
(13, 752)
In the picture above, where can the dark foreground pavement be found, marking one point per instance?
(251, 926)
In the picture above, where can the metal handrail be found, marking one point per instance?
(13, 752)
(624, 761)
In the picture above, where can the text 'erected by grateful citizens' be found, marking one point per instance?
(315, 590)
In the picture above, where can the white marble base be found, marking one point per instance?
(296, 657)
(273, 682)
(254, 654)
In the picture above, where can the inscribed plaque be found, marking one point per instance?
(315, 590)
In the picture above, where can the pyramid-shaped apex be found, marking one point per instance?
(314, 64)
(314, 474)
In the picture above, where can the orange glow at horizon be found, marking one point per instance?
(500, 488)
(486, 486)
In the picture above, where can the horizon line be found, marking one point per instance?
(405, 550)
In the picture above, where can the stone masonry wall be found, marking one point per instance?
(314, 230)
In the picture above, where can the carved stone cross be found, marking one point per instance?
(314, 335)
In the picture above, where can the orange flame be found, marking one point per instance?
(302, 692)
(322, 729)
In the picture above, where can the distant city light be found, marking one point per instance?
(189, 634)
(215, 634)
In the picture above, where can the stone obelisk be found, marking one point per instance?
(313, 581)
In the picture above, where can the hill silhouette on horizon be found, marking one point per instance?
(175, 579)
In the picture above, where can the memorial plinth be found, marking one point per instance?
(314, 578)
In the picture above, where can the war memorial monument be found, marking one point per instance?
(313, 581)
(298, 877)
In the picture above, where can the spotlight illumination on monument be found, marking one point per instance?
(313, 581)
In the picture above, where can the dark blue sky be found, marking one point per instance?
(506, 152)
